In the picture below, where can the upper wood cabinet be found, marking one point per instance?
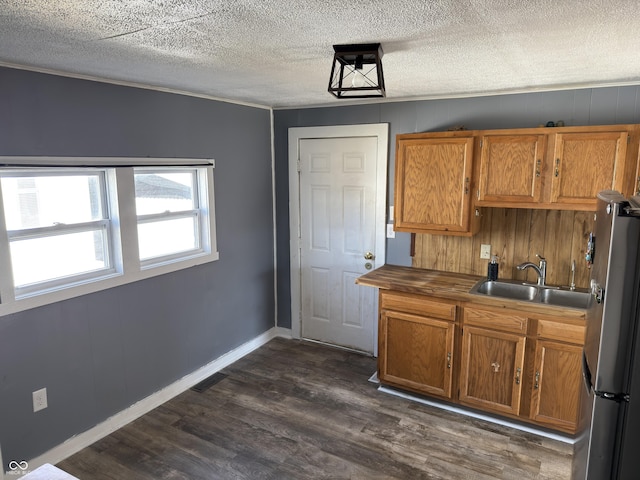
(433, 183)
(633, 152)
(511, 168)
(554, 168)
(584, 164)
(441, 177)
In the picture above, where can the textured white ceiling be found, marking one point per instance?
(278, 53)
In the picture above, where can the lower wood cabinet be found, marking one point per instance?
(555, 398)
(418, 353)
(493, 351)
(416, 344)
(492, 370)
(501, 361)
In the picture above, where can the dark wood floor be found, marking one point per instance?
(297, 410)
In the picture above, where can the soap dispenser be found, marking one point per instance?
(492, 271)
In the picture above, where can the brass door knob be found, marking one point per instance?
(369, 256)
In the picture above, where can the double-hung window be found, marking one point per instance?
(170, 214)
(58, 228)
(67, 230)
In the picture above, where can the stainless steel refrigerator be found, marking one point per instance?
(607, 443)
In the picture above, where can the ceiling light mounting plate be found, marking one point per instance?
(357, 71)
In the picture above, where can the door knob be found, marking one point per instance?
(369, 256)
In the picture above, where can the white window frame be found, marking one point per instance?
(200, 211)
(63, 229)
(125, 264)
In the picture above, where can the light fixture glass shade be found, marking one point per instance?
(357, 71)
(358, 80)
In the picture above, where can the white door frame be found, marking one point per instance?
(379, 130)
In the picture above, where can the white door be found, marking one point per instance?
(339, 229)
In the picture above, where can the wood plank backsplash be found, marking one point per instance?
(516, 236)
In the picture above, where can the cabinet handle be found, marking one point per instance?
(466, 186)
(518, 376)
(537, 385)
(538, 167)
(557, 172)
(449, 360)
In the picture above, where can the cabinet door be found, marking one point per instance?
(634, 182)
(432, 184)
(416, 352)
(511, 168)
(555, 400)
(586, 163)
(492, 370)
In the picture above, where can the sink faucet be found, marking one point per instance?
(540, 270)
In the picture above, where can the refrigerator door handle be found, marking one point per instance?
(586, 373)
(616, 397)
(597, 291)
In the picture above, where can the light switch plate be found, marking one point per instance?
(390, 231)
(485, 251)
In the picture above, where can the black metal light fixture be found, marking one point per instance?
(357, 71)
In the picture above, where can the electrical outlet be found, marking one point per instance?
(39, 399)
(485, 252)
(390, 231)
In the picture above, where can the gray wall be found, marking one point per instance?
(100, 353)
(602, 106)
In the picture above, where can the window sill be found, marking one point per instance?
(35, 300)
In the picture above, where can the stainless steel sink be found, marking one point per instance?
(515, 291)
(548, 295)
(564, 298)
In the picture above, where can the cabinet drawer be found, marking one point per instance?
(506, 322)
(563, 332)
(417, 304)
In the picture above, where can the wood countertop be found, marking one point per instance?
(453, 286)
